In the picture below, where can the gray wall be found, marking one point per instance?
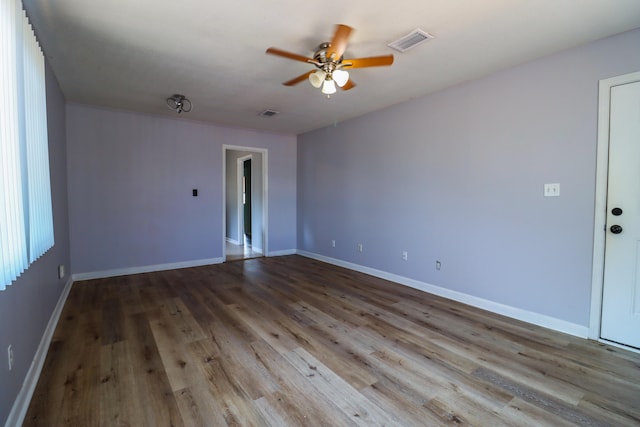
(27, 305)
(130, 181)
(457, 176)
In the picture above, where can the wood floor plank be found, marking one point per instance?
(331, 386)
(451, 400)
(495, 351)
(198, 407)
(331, 343)
(152, 385)
(392, 397)
(548, 402)
(238, 361)
(289, 341)
(258, 319)
(609, 412)
(70, 387)
(273, 415)
(523, 374)
(297, 396)
(237, 404)
(176, 362)
(521, 413)
(119, 404)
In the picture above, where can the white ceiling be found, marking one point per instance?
(133, 54)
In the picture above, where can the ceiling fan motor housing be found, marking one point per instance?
(328, 65)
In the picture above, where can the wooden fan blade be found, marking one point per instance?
(373, 61)
(339, 41)
(348, 85)
(298, 79)
(289, 55)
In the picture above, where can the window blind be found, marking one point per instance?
(26, 219)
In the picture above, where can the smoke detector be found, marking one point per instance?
(269, 113)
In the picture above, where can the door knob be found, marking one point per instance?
(616, 211)
(616, 229)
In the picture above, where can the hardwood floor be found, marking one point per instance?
(290, 341)
(239, 252)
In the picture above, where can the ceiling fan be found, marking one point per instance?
(330, 64)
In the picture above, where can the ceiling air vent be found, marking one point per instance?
(269, 113)
(412, 39)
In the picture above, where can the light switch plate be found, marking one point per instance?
(552, 190)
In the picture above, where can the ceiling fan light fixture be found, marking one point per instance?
(179, 103)
(341, 77)
(329, 61)
(317, 78)
(329, 87)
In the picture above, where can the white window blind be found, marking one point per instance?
(40, 227)
(26, 219)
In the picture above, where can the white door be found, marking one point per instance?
(621, 290)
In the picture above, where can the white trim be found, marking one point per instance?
(600, 215)
(232, 241)
(283, 252)
(145, 269)
(21, 404)
(505, 310)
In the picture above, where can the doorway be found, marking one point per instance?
(245, 196)
(615, 300)
(245, 184)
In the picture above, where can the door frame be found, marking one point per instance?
(600, 213)
(265, 194)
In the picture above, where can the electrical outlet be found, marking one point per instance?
(552, 190)
(405, 255)
(438, 265)
(360, 247)
(10, 356)
(333, 243)
(61, 271)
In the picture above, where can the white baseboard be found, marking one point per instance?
(495, 307)
(233, 241)
(282, 253)
(21, 404)
(145, 269)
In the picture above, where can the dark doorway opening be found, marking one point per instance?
(246, 197)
